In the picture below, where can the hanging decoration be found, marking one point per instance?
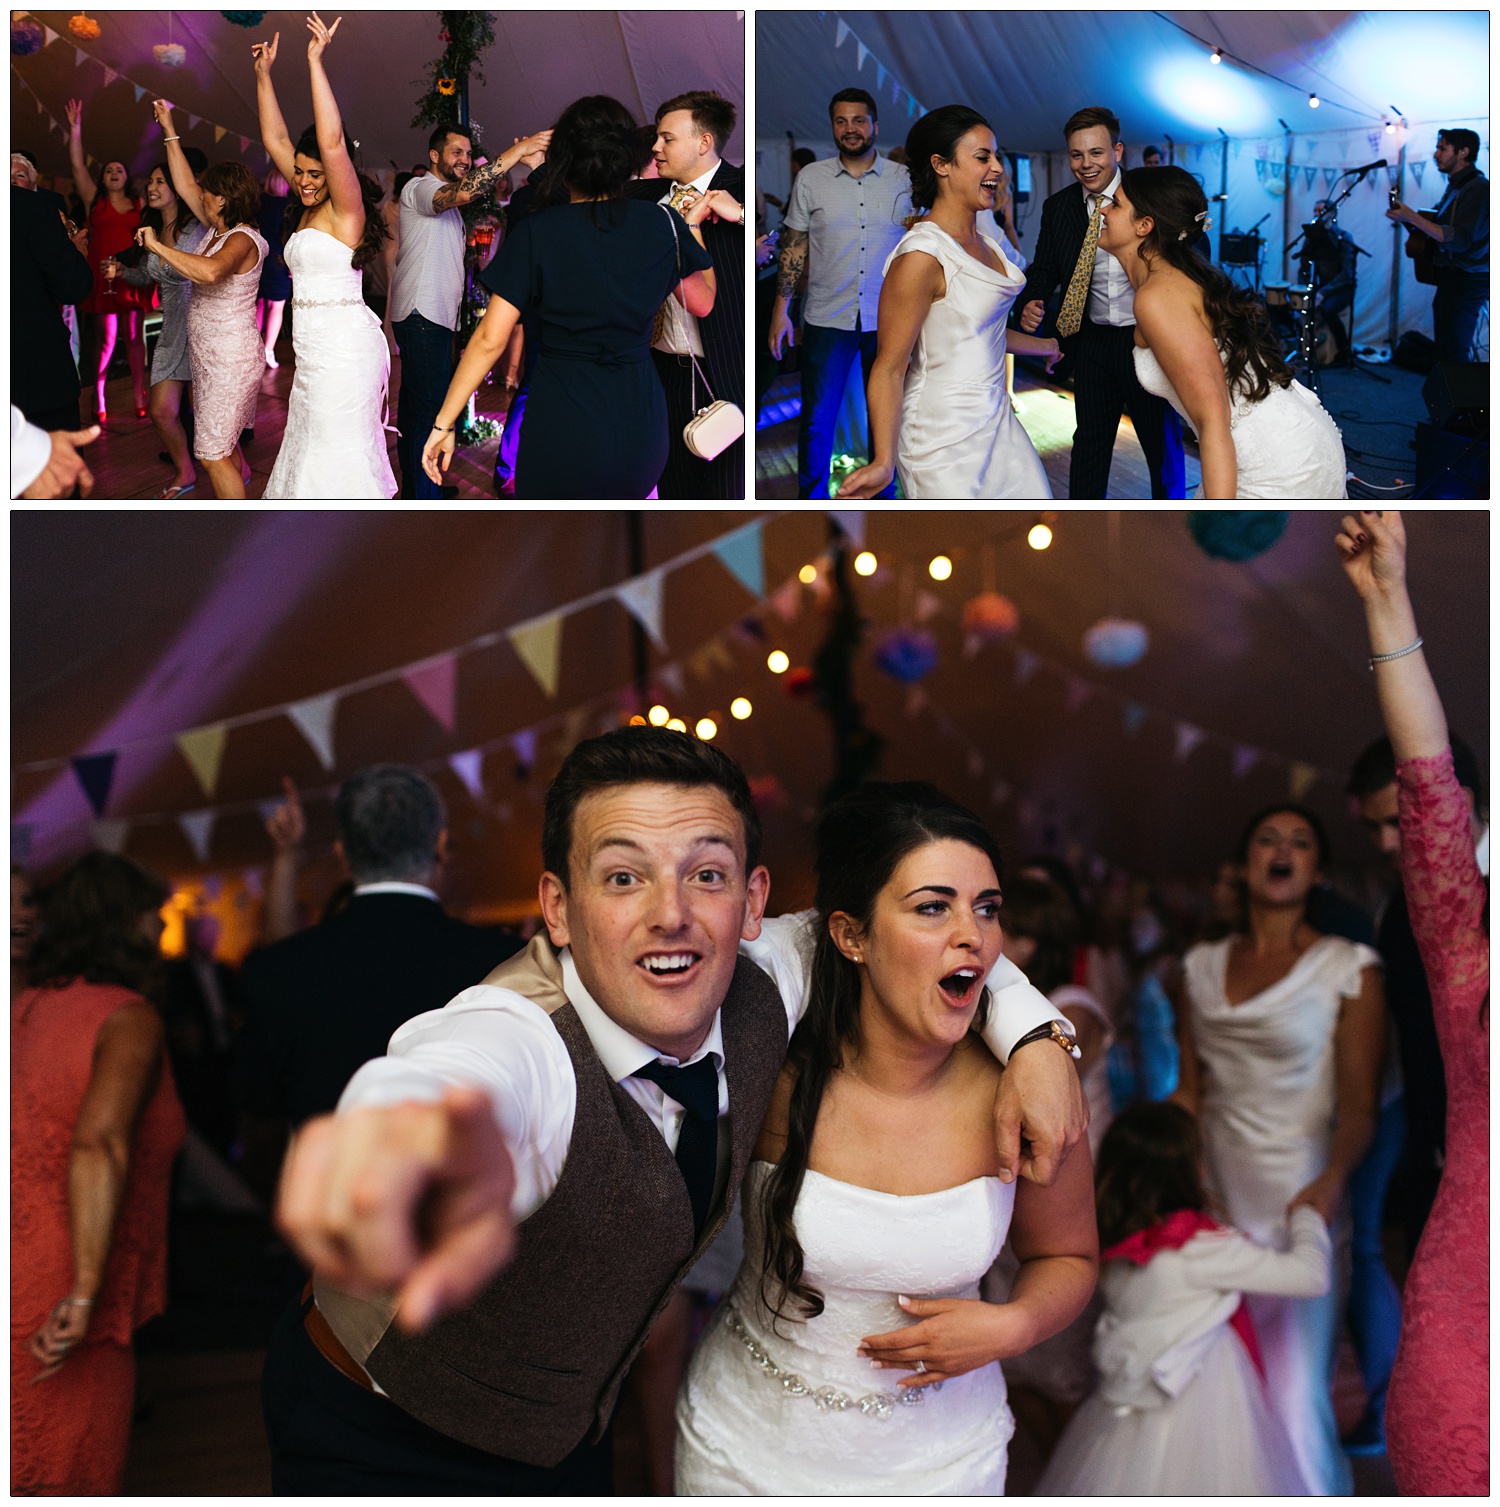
(1236, 536)
(798, 682)
(742, 554)
(907, 654)
(198, 828)
(1300, 779)
(25, 37)
(851, 522)
(434, 684)
(245, 18)
(95, 774)
(84, 26)
(314, 720)
(170, 54)
(447, 87)
(465, 35)
(1245, 759)
(1115, 643)
(988, 618)
(538, 644)
(768, 793)
(469, 767)
(203, 748)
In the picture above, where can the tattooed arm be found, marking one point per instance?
(531, 150)
(789, 270)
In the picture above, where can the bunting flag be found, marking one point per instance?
(198, 828)
(642, 597)
(879, 74)
(1310, 175)
(671, 677)
(110, 833)
(999, 793)
(524, 744)
(538, 644)
(1188, 738)
(575, 725)
(50, 35)
(244, 144)
(434, 684)
(1245, 759)
(851, 523)
(254, 881)
(1373, 137)
(140, 93)
(975, 764)
(742, 555)
(925, 606)
(220, 132)
(842, 35)
(1026, 665)
(895, 91)
(194, 120)
(1418, 167)
(1079, 691)
(787, 600)
(314, 720)
(203, 748)
(20, 843)
(1134, 716)
(711, 657)
(1300, 779)
(468, 766)
(864, 52)
(109, 76)
(1329, 174)
(1260, 170)
(96, 773)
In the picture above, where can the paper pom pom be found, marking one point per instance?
(907, 654)
(1236, 536)
(798, 682)
(1115, 642)
(1276, 187)
(989, 617)
(84, 26)
(768, 793)
(25, 37)
(245, 18)
(170, 54)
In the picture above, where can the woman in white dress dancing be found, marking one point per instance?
(1206, 346)
(939, 414)
(853, 1354)
(335, 440)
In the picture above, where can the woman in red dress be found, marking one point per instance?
(95, 1125)
(113, 220)
(1437, 1419)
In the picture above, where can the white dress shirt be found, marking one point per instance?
(396, 887)
(681, 337)
(494, 1039)
(1111, 298)
(30, 451)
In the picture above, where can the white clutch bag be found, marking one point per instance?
(712, 430)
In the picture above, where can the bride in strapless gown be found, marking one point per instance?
(875, 1255)
(1261, 435)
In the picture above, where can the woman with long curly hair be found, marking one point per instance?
(939, 413)
(853, 1354)
(335, 439)
(94, 1126)
(1206, 346)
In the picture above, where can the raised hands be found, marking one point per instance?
(75, 115)
(287, 826)
(321, 36)
(533, 148)
(1372, 549)
(264, 54)
(162, 110)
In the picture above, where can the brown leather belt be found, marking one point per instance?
(328, 1344)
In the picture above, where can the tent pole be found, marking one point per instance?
(1286, 210)
(1394, 333)
(1223, 195)
(636, 543)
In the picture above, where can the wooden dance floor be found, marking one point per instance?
(124, 457)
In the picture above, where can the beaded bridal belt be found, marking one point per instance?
(328, 303)
(879, 1404)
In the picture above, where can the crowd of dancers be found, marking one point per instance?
(638, 324)
(917, 1162)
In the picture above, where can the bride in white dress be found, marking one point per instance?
(853, 1355)
(939, 413)
(1205, 345)
(334, 445)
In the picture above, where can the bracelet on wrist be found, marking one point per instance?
(166, 139)
(1385, 659)
(1052, 1031)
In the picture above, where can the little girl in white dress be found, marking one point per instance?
(1181, 1407)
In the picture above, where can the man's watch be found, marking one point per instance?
(1054, 1030)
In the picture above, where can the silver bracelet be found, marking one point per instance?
(166, 139)
(1385, 659)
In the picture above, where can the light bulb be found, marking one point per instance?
(1313, 101)
(777, 662)
(677, 725)
(707, 729)
(940, 567)
(808, 574)
(740, 708)
(1040, 536)
(638, 721)
(865, 563)
(1217, 55)
(1390, 128)
(658, 716)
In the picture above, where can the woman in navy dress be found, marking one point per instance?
(589, 273)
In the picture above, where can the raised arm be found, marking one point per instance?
(177, 164)
(338, 170)
(273, 132)
(237, 254)
(530, 151)
(82, 180)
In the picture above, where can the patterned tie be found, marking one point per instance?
(696, 1088)
(1077, 295)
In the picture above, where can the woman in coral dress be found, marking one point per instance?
(95, 1124)
(1438, 1408)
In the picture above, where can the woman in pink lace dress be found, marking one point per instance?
(1437, 1420)
(225, 350)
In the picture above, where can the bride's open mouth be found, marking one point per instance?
(961, 986)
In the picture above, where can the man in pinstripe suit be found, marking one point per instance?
(1099, 338)
(691, 130)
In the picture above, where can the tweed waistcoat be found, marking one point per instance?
(534, 1365)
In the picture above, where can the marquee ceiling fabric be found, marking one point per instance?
(540, 62)
(137, 625)
(1027, 71)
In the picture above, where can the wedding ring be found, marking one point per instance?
(921, 1367)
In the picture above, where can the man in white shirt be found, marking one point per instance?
(46, 465)
(653, 892)
(1096, 322)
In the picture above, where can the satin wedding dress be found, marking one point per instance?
(960, 438)
(789, 1409)
(1285, 446)
(334, 446)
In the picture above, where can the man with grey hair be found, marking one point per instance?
(322, 1002)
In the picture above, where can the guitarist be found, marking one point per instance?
(1460, 227)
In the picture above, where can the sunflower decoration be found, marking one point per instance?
(447, 86)
(84, 26)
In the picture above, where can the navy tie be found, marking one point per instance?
(696, 1088)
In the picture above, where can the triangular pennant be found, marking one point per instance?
(524, 744)
(109, 76)
(1079, 691)
(198, 828)
(96, 773)
(140, 94)
(469, 767)
(79, 57)
(220, 132)
(1418, 167)
(1134, 716)
(244, 143)
(911, 107)
(787, 600)
(1188, 738)
(203, 748)
(642, 597)
(539, 647)
(671, 677)
(864, 52)
(314, 720)
(925, 606)
(109, 834)
(1309, 176)
(1329, 174)
(1245, 759)
(1301, 777)
(434, 683)
(842, 35)
(50, 35)
(852, 523)
(895, 91)
(20, 843)
(976, 764)
(879, 75)
(999, 793)
(193, 121)
(1026, 665)
(743, 556)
